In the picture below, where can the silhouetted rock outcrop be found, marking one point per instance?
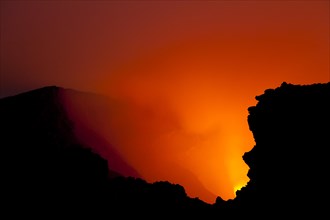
(43, 164)
(47, 170)
(289, 168)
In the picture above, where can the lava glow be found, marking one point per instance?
(179, 76)
(184, 134)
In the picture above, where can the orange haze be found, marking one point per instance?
(180, 74)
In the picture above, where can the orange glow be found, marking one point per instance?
(238, 187)
(180, 75)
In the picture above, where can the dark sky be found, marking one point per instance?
(206, 59)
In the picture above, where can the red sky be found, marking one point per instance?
(198, 63)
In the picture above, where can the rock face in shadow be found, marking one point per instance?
(289, 168)
(45, 169)
(43, 164)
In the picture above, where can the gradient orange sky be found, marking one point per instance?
(190, 69)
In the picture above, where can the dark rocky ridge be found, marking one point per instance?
(289, 167)
(46, 168)
(43, 163)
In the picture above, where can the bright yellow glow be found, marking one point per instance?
(181, 110)
(181, 76)
(178, 129)
(238, 187)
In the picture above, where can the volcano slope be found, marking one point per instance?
(47, 167)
